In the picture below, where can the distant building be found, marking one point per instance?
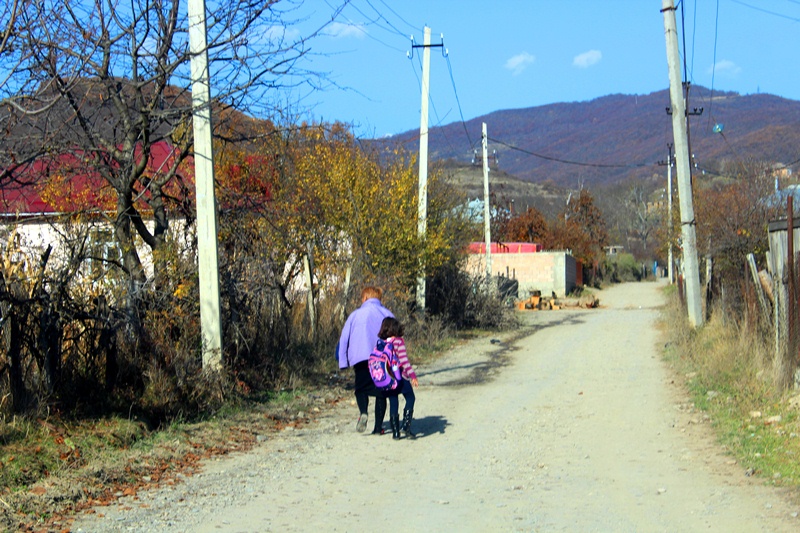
(779, 170)
(532, 268)
(779, 197)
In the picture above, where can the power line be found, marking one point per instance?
(713, 65)
(694, 35)
(374, 22)
(413, 27)
(685, 52)
(766, 11)
(435, 111)
(446, 54)
(380, 16)
(461, 114)
(567, 161)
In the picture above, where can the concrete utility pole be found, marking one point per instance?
(422, 217)
(487, 229)
(683, 168)
(671, 259)
(208, 259)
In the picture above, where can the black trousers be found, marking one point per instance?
(364, 388)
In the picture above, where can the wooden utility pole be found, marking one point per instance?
(487, 215)
(207, 252)
(683, 168)
(422, 217)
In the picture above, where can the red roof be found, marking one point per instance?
(67, 183)
(505, 247)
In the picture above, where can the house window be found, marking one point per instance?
(102, 250)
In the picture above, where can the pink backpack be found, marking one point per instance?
(384, 367)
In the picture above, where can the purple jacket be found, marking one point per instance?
(360, 332)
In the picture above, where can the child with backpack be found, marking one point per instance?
(392, 333)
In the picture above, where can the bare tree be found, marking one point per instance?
(108, 81)
(644, 217)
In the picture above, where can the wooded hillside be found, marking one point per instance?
(624, 136)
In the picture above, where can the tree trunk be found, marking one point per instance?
(49, 346)
(16, 381)
(122, 231)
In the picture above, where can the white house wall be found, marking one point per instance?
(33, 237)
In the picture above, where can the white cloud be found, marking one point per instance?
(340, 30)
(519, 62)
(725, 68)
(587, 59)
(281, 33)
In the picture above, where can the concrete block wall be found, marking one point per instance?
(544, 271)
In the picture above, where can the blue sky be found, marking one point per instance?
(508, 54)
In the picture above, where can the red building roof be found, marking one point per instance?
(68, 183)
(505, 247)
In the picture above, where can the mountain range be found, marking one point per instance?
(619, 137)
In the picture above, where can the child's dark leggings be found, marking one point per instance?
(408, 394)
(407, 391)
(394, 404)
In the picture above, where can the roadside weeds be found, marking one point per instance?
(726, 371)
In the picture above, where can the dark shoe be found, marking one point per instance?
(408, 415)
(361, 425)
(378, 432)
(394, 421)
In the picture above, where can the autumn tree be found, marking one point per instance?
(582, 229)
(732, 219)
(529, 226)
(346, 203)
(119, 77)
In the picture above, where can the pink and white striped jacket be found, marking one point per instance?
(402, 355)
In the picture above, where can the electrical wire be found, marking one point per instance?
(461, 114)
(765, 10)
(714, 65)
(567, 161)
(380, 16)
(413, 27)
(694, 35)
(374, 22)
(439, 120)
(683, 36)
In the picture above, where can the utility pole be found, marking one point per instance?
(487, 229)
(683, 168)
(207, 251)
(669, 216)
(670, 259)
(422, 214)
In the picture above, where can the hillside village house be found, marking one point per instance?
(38, 208)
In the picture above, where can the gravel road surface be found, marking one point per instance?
(573, 423)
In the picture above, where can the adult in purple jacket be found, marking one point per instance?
(359, 335)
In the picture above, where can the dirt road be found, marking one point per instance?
(573, 424)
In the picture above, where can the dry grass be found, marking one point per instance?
(51, 468)
(729, 374)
